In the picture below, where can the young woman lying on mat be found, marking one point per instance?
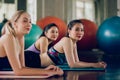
(40, 47)
(66, 49)
(12, 47)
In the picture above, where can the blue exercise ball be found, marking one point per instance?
(1, 25)
(34, 34)
(108, 35)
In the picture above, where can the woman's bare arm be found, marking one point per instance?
(43, 44)
(68, 50)
(75, 53)
(13, 55)
(22, 58)
(72, 57)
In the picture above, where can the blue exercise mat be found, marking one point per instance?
(5, 69)
(65, 67)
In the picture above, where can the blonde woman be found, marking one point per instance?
(12, 47)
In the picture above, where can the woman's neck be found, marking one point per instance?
(49, 41)
(19, 36)
(73, 40)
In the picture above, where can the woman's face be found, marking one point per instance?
(52, 33)
(76, 32)
(23, 24)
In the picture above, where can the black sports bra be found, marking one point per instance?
(4, 64)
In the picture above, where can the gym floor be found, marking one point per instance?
(109, 74)
(112, 72)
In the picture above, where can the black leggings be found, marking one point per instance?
(32, 59)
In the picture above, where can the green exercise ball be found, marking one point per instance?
(34, 34)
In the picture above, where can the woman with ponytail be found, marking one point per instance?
(12, 47)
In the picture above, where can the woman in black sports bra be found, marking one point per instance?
(68, 49)
(12, 47)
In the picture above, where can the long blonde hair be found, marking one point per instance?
(8, 27)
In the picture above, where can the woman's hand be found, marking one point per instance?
(58, 70)
(51, 67)
(100, 65)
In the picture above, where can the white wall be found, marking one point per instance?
(118, 7)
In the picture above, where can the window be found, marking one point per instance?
(85, 9)
(31, 9)
(7, 10)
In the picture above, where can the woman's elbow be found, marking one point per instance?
(71, 65)
(18, 72)
(74, 65)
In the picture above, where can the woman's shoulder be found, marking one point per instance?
(65, 39)
(43, 38)
(6, 38)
